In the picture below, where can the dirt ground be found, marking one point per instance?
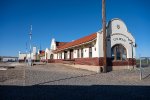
(62, 82)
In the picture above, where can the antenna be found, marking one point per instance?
(30, 35)
(26, 53)
(26, 46)
(40, 47)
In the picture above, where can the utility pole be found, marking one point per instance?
(104, 37)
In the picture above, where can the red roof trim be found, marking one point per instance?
(78, 42)
(60, 44)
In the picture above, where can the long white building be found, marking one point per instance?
(88, 50)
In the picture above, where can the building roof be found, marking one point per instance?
(7, 57)
(42, 53)
(77, 42)
(60, 44)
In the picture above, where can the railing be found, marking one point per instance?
(143, 64)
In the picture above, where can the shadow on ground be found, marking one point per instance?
(68, 92)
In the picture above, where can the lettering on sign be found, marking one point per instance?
(120, 39)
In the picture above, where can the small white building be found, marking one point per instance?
(8, 59)
(89, 49)
(25, 56)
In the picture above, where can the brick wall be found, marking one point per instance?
(51, 61)
(96, 61)
(20, 61)
(130, 61)
(81, 61)
(87, 61)
(55, 61)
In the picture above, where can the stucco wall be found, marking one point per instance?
(22, 56)
(117, 33)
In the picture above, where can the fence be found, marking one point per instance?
(143, 64)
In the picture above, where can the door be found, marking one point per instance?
(71, 54)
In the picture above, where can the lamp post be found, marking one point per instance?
(132, 54)
(133, 44)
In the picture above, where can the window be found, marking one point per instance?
(82, 53)
(118, 52)
(71, 54)
(60, 55)
(51, 56)
(78, 53)
(90, 52)
(112, 54)
(65, 54)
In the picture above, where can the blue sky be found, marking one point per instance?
(67, 20)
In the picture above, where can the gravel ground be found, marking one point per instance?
(62, 82)
(59, 74)
(52, 73)
(14, 75)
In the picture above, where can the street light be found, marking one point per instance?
(133, 44)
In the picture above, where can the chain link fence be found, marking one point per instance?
(143, 64)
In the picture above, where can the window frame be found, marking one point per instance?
(60, 55)
(78, 53)
(90, 52)
(82, 52)
(118, 50)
